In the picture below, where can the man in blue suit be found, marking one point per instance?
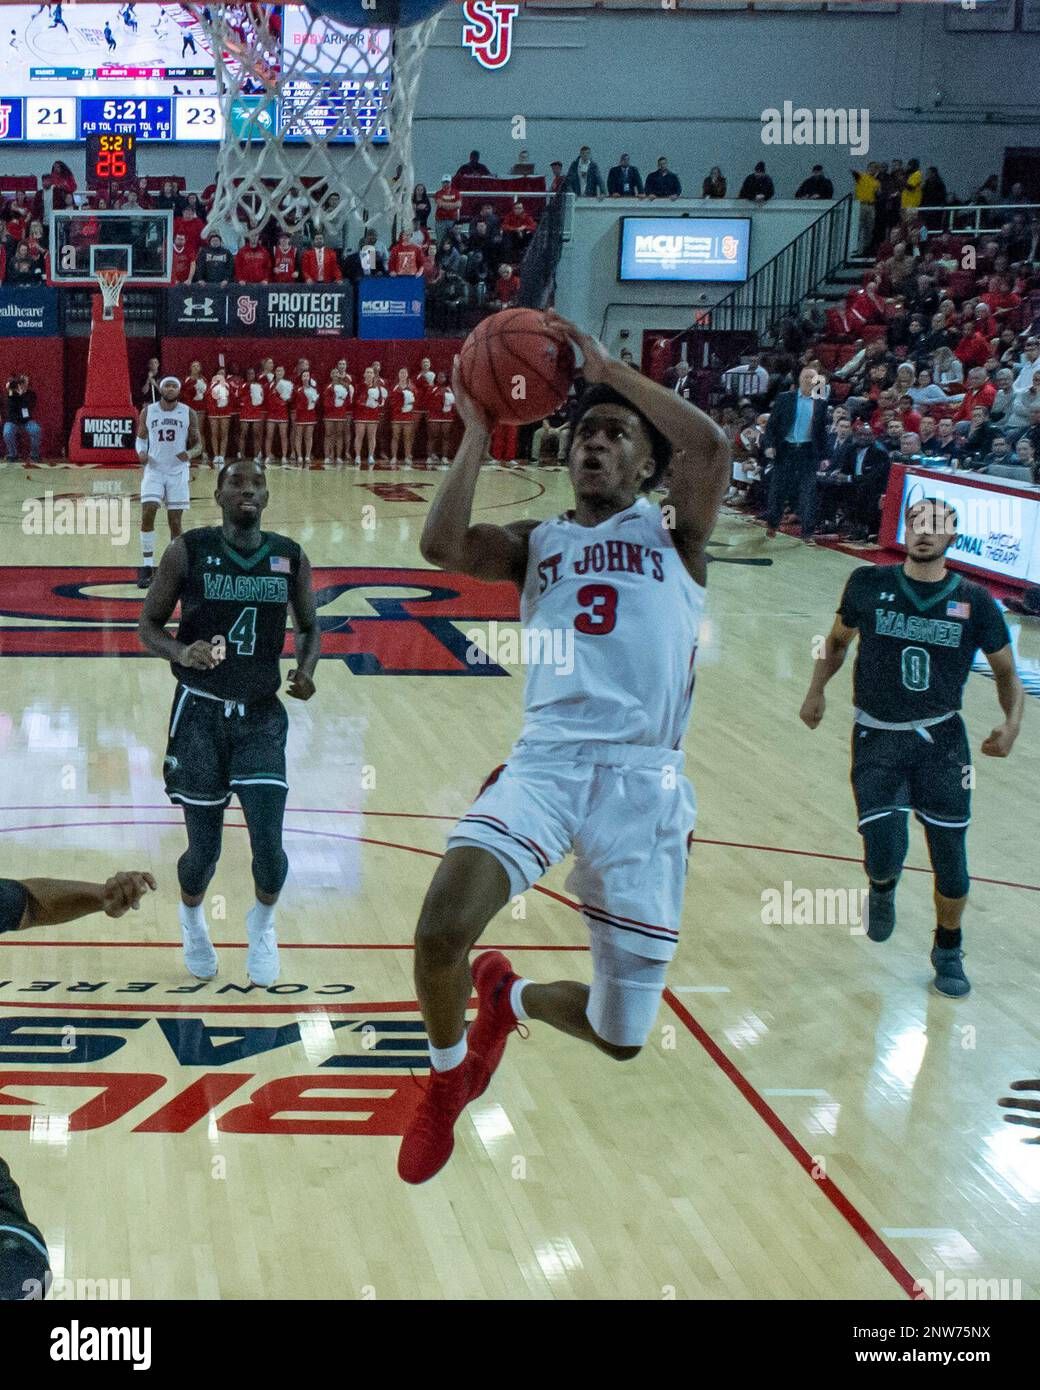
(795, 439)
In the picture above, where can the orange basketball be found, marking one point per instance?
(516, 367)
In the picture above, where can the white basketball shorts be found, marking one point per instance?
(627, 813)
(166, 488)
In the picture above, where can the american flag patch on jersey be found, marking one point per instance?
(958, 610)
(280, 564)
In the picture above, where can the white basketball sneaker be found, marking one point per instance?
(200, 959)
(262, 959)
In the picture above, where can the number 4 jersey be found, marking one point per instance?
(916, 641)
(243, 599)
(610, 620)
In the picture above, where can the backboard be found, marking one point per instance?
(135, 241)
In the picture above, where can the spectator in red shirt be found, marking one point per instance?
(448, 204)
(973, 348)
(999, 299)
(183, 261)
(253, 261)
(867, 306)
(557, 178)
(192, 225)
(507, 286)
(144, 198)
(910, 417)
(518, 227)
(319, 265)
(62, 181)
(979, 391)
(405, 256)
(283, 264)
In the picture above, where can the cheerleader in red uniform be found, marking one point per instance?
(220, 411)
(305, 417)
(368, 411)
(279, 394)
(440, 418)
(251, 415)
(404, 416)
(265, 375)
(336, 408)
(194, 396)
(237, 385)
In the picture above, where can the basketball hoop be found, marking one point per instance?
(111, 282)
(317, 110)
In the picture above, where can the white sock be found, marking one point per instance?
(447, 1058)
(516, 996)
(263, 914)
(194, 918)
(148, 547)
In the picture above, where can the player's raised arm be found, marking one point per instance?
(448, 540)
(306, 633)
(839, 639)
(1012, 696)
(701, 468)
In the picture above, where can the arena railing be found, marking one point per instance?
(973, 219)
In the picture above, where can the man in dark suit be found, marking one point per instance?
(861, 469)
(795, 439)
(624, 180)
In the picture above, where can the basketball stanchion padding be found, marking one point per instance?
(105, 424)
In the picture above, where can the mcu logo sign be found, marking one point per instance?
(488, 31)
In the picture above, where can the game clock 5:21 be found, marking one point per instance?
(111, 158)
(146, 118)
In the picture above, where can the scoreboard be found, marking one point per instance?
(145, 71)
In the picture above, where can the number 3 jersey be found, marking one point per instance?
(610, 619)
(917, 641)
(244, 599)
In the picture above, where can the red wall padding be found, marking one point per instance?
(41, 359)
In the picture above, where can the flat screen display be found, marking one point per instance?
(684, 249)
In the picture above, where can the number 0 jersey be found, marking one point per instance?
(916, 641)
(610, 620)
(167, 427)
(244, 599)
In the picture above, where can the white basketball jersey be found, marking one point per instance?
(167, 435)
(620, 598)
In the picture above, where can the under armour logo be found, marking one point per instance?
(212, 559)
(202, 308)
(170, 764)
(890, 597)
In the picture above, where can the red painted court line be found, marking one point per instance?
(436, 854)
(284, 945)
(827, 1186)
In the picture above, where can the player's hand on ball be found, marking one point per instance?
(201, 656)
(471, 414)
(597, 359)
(811, 712)
(1032, 1118)
(300, 687)
(999, 742)
(125, 890)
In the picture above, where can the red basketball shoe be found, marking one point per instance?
(430, 1137)
(493, 976)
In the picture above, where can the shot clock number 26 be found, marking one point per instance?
(111, 158)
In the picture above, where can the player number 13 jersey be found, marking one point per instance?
(167, 427)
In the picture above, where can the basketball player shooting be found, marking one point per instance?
(167, 440)
(919, 628)
(235, 585)
(597, 769)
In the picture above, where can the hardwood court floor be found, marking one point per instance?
(808, 1120)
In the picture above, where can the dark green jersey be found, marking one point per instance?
(244, 599)
(916, 641)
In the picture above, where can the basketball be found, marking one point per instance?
(516, 368)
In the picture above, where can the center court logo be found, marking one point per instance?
(505, 646)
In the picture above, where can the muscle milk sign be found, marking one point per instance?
(108, 431)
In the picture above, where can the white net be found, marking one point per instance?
(317, 118)
(111, 283)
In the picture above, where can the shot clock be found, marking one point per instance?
(112, 159)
